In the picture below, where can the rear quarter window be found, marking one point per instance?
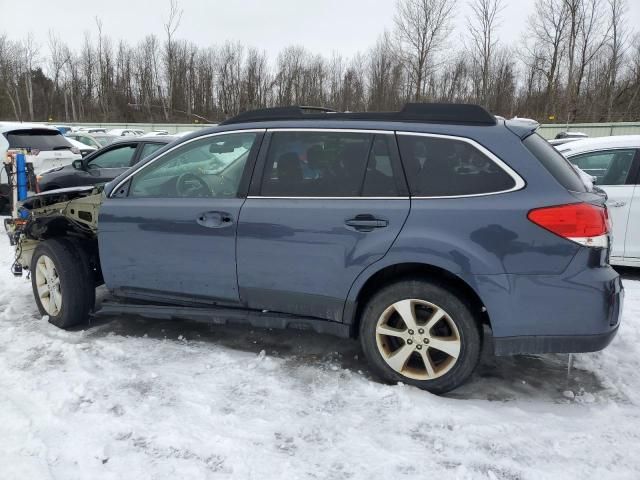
(37, 139)
(556, 164)
(449, 167)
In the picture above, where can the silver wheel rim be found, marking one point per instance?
(48, 286)
(418, 339)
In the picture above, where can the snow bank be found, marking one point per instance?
(141, 399)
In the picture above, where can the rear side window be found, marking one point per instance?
(323, 164)
(43, 140)
(555, 163)
(445, 167)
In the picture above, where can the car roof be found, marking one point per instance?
(599, 143)
(11, 126)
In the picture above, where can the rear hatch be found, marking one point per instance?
(46, 148)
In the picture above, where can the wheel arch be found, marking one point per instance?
(359, 295)
(61, 228)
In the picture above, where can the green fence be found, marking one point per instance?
(592, 129)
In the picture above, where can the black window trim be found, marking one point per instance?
(254, 192)
(519, 182)
(137, 168)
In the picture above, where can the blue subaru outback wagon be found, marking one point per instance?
(409, 230)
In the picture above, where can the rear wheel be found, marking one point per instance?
(422, 334)
(62, 285)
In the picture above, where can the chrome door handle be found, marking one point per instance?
(616, 204)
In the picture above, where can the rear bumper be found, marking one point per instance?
(553, 344)
(576, 311)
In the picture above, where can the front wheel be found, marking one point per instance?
(420, 333)
(62, 285)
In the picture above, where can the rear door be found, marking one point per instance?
(632, 238)
(615, 171)
(107, 164)
(324, 205)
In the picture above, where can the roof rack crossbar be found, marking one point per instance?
(467, 114)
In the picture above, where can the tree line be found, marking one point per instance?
(577, 61)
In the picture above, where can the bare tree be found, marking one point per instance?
(618, 39)
(422, 26)
(170, 28)
(482, 26)
(547, 30)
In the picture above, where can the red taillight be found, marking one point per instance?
(582, 223)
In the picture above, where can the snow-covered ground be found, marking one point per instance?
(142, 399)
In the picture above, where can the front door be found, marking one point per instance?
(615, 172)
(169, 231)
(324, 205)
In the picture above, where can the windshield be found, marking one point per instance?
(42, 140)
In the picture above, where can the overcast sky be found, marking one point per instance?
(322, 26)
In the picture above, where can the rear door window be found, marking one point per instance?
(555, 163)
(37, 139)
(611, 167)
(317, 164)
(119, 157)
(446, 167)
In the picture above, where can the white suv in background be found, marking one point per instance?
(615, 164)
(46, 147)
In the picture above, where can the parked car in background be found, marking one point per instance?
(155, 133)
(126, 132)
(64, 129)
(614, 162)
(97, 140)
(82, 148)
(46, 147)
(103, 165)
(409, 230)
(566, 137)
(570, 134)
(90, 129)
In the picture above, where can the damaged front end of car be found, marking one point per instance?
(70, 213)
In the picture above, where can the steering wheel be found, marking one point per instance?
(191, 185)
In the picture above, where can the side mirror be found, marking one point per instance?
(79, 165)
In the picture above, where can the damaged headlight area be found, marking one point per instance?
(71, 213)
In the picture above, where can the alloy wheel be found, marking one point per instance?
(418, 339)
(48, 285)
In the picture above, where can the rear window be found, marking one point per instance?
(37, 139)
(555, 163)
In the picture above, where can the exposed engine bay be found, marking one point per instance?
(70, 213)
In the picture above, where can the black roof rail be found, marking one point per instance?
(455, 113)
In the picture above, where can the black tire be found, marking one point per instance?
(468, 335)
(76, 285)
